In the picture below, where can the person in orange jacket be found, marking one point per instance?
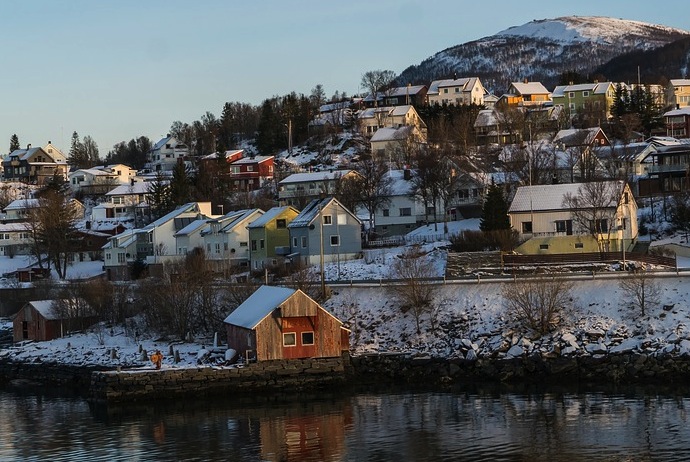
(157, 359)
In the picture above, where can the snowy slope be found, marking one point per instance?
(541, 50)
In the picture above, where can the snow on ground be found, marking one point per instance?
(469, 318)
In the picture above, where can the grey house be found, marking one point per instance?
(325, 227)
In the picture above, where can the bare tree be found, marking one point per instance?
(641, 289)
(537, 304)
(374, 188)
(594, 209)
(416, 292)
(376, 81)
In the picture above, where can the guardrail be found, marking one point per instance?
(588, 257)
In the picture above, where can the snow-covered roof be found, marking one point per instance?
(464, 82)
(259, 305)
(395, 92)
(391, 134)
(399, 186)
(270, 214)
(314, 176)
(680, 82)
(543, 197)
(311, 211)
(576, 136)
(14, 227)
(530, 88)
(486, 118)
(22, 204)
(186, 208)
(252, 160)
(334, 106)
(684, 111)
(130, 189)
(45, 307)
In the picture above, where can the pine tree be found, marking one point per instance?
(494, 211)
(14, 143)
(77, 155)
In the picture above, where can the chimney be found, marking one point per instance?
(525, 80)
(28, 146)
(88, 224)
(131, 181)
(50, 142)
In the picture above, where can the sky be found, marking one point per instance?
(116, 70)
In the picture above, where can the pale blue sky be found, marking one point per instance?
(115, 70)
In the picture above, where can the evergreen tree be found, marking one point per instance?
(14, 143)
(77, 154)
(159, 196)
(180, 185)
(495, 210)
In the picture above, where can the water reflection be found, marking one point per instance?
(477, 424)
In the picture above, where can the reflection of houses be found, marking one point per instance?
(35, 165)
(543, 220)
(100, 179)
(325, 228)
(153, 244)
(372, 119)
(269, 238)
(299, 189)
(226, 238)
(281, 323)
(44, 320)
(456, 92)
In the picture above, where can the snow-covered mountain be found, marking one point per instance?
(541, 50)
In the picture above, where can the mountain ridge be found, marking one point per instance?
(541, 50)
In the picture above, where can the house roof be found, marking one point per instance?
(486, 118)
(391, 134)
(230, 220)
(271, 214)
(191, 227)
(22, 204)
(465, 83)
(259, 305)
(680, 82)
(399, 186)
(530, 88)
(130, 189)
(45, 307)
(252, 160)
(684, 111)
(576, 136)
(311, 211)
(14, 227)
(598, 88)
(314, 176)
(541, 198)
(397, 91)
(186, 208)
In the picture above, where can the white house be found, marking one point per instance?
(226, 238)
(456, 92)
(166, 153)
(547, 222)
(100, 179)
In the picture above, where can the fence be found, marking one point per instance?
(588, 257)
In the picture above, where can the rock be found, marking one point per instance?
(673, 338)
(466, 343)
(626, 346)
(595, 333)
(568, 350)
(569, 338)
(515, 351)
(471, 355)
(596, 348)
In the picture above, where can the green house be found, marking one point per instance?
(269, 238)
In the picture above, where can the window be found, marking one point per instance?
(262, 244)
(307, 338)
(601, 226)
(289, 339)
(281, 223)
(405, 211)
(244, 244)
(386, 212)
(225, 246)
(120, 257)
(543, 246)
(571, 94)
(579, 245)
(304, 242)
(253, 244)
(624, 223)
(335, 241)
(564, 226)
(585, 94)
(327, 220)
(526, 227)
(217, 247)
(626, 199)
(250, 168)
(208, 248)
(294, 242)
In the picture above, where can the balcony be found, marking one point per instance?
(668, 168)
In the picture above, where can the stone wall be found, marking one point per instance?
(74, 378)
(291, 375)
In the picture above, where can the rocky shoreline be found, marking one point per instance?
(104, 384)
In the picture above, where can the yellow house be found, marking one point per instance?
(269, 237)
(562, 218)
(526, 94)
(678, 93)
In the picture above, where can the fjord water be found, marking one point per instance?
(637, 424)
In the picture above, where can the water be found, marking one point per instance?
(477, 425)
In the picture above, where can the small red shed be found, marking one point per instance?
(283, 323)
(39, 321)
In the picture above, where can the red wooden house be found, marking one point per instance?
(283, 323)
(250, 173)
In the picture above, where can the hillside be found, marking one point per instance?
(541, 50)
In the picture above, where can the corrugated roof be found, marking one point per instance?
(259, 305)
(543, 197)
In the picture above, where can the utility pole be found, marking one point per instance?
(323, 279)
